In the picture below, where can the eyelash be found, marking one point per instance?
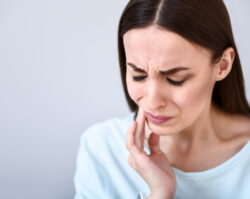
(175, 83)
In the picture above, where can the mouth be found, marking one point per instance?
(157, 119)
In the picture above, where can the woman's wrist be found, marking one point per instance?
(160, 196)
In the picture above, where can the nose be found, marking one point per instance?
(156, 99)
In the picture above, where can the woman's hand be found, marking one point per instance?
(155, 168)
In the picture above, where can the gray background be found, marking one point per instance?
(59, 74)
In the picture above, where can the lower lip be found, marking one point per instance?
(156, 121)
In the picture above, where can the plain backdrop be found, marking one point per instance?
(59, 74)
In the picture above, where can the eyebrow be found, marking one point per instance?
(167, 72)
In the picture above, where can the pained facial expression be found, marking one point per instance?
(184, 95)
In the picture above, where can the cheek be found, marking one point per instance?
(194, 98)
(134, 89)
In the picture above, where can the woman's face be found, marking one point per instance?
(185, 94)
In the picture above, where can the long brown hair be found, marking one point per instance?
(204, 22)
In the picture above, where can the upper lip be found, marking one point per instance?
(160, 117)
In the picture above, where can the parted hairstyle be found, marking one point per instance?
(203, 22)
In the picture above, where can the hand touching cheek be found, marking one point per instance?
(153, 168)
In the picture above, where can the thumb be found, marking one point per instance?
(153, 143)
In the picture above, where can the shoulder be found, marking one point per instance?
(107, 133)
(236, 126)
(242, 124)
(238, 130)
(107, 127)
(102, 146)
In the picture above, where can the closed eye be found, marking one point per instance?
(173, 82)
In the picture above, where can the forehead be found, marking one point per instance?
(159, 46)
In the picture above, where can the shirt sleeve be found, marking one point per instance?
(87, 185)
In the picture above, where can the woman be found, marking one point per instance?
(183, 81)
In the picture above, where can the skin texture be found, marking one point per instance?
(197, 126)
(154, 168)
(186, 104)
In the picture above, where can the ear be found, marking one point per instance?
(225, 64)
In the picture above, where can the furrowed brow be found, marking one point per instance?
(167, 72)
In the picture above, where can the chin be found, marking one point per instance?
(159, 129)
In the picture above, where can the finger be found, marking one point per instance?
(134, 153)
(130, 135)
(147, 131)
(140, 131)
(153, 143)
(130, 143)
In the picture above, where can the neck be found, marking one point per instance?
(203, 132)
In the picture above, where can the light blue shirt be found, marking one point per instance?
(103, 172)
